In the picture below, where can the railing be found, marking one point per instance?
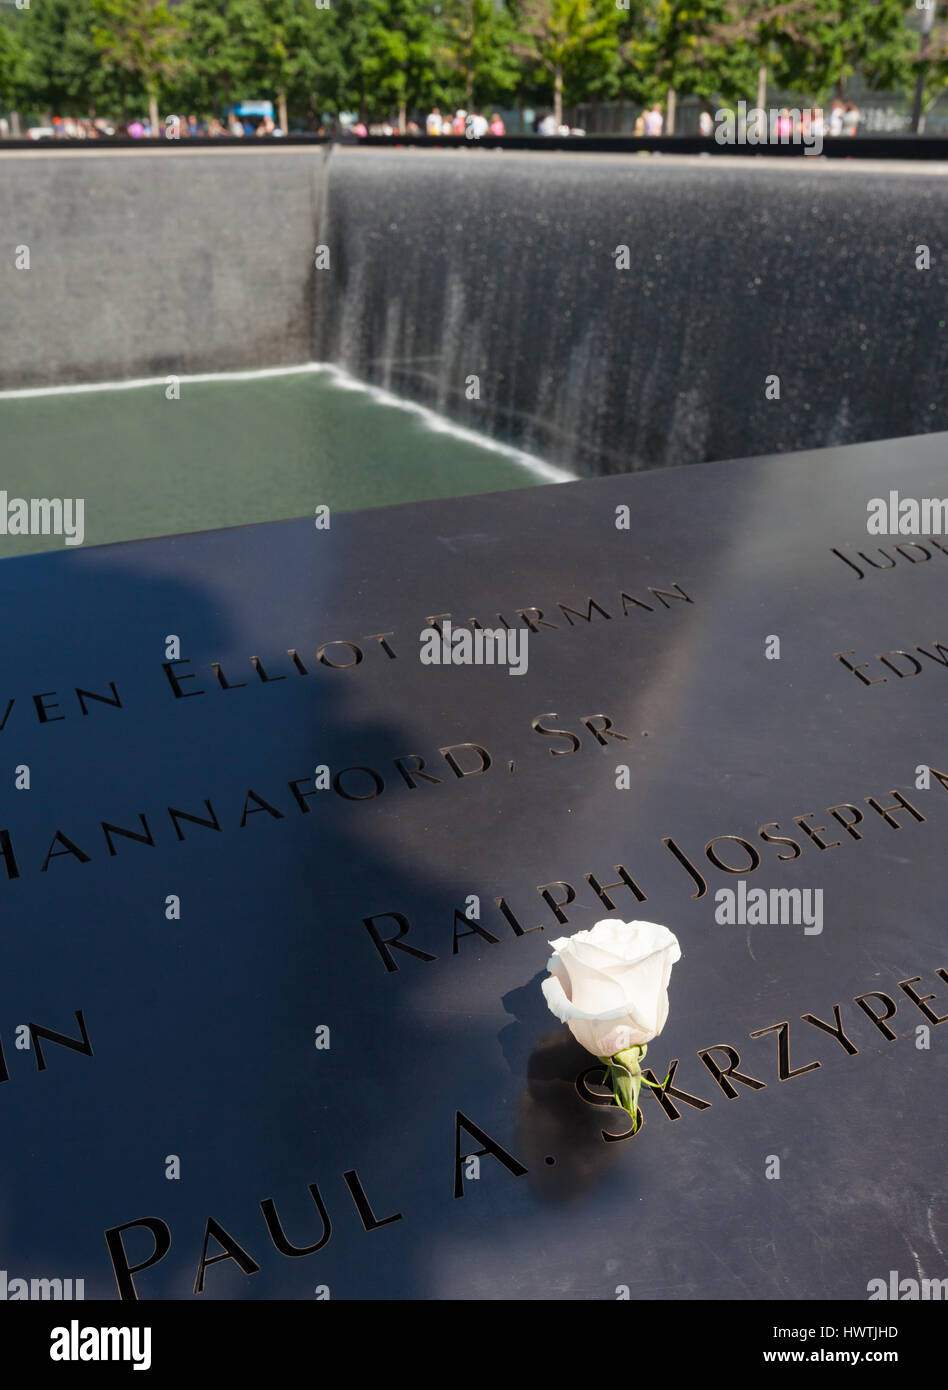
(893, 147)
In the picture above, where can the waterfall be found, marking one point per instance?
(492, 287)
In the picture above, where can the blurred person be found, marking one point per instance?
(784, 125)
(705, 121)
(459, 125)
(447, 126)
(412, 128)
(638, 129)
(547, 126)
(812, 126)
(654, 120)
(235, 128)
(836, 117)
(496, 126)
(479, 126)
(851, 118)
(434, 122)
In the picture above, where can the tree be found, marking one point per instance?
(759, 33)
(813, 45)
(475, 43)
(11, 64)
(136, 40)
(282, 47)
(58, 67)
(929, 70)
(399, 68)
(842, 37)
(211, 57)
(566, 38)
(345, 78)
(675, 49)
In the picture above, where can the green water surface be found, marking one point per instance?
(230, 453)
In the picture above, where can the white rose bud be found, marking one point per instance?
(610, 984)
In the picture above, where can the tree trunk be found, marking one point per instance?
(402, 119)
(153, 114)
(281, 112)
(558, 97)
(762, 87)
(669, 128)
(15, 128)
(918, 110)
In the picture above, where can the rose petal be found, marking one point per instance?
(610, 984)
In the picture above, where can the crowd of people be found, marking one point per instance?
(842, 119)
(468, 123)
(472, 124)
(172, 128)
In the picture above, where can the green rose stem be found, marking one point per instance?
(624, 1070)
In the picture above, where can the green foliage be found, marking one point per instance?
(56, 66)
(12, 59)
(475, 45)
(811, 46)
(382, 57)
(899, 64)
(399, 67)
(280, 45)
(669, 47)
(136, 42)
(212, 57)
(573, 46)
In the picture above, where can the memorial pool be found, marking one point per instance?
(232, 449)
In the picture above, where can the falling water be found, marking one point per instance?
(488, 286)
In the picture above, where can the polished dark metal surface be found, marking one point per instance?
(203, 1028)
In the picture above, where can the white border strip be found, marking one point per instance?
(29, 393)
(438, 424)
